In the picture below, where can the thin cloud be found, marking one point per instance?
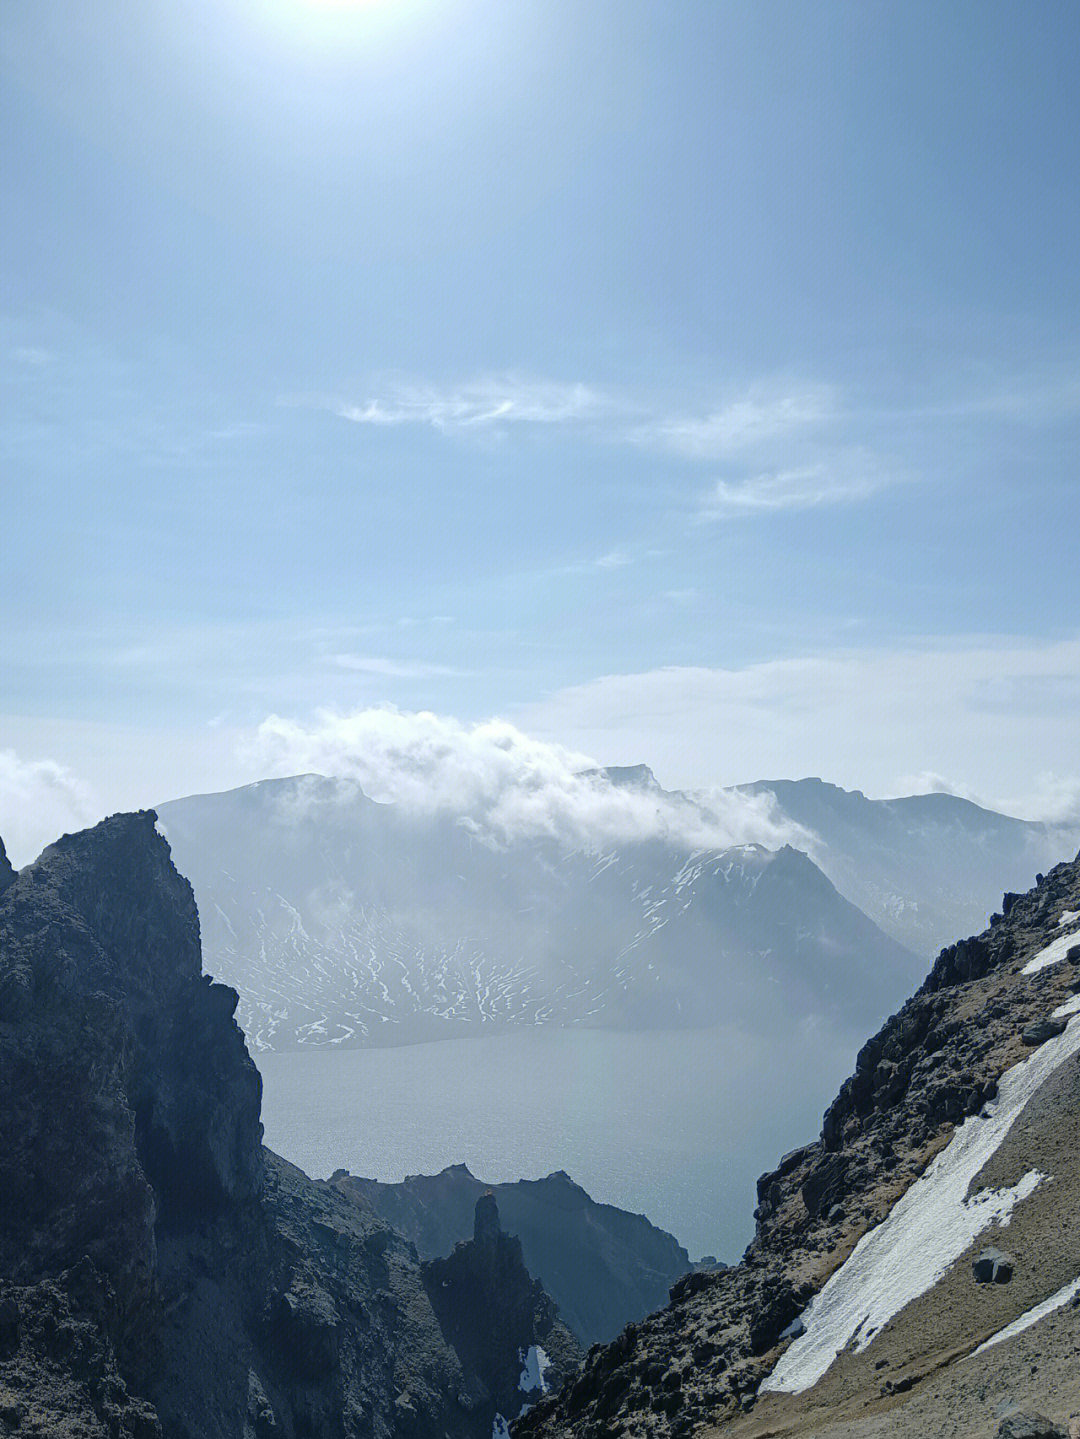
(842, 481)
(396, 669)
(32, 355)
(857, 717)
(489, 402)
(758, 418)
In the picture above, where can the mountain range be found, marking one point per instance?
(915, 1267)
(342, 921)
(925, 867)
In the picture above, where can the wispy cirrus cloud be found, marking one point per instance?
(838, 479)
(773, 444)
(759, 417)
(780, 446)
(487, 402)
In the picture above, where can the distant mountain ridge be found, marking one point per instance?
(345, 921)
(924, 867)
(602, 1266)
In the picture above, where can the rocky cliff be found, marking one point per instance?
(500, 1320)
(160, 1271)
(913, 1268)
(603, 1266)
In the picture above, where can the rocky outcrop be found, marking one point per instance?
(699, 1363)
(499, 1319)
(603, 1266)
(160, 1271)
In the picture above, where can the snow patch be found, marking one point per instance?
(1054, 952)
(1071, 1006)
(1040, 1311)
(925, 1232)
(1069, 917)
(534, 1371)
(499, 1428)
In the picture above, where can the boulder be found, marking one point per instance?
(1042, 1030)
(1027, 1425)
(993, 1266)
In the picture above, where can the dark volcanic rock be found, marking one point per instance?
(160, 1271)
(494, 1313)
(992, 1266)
(1042, 1030)
(7, 874)
(603, 1266)
(1029, 1426)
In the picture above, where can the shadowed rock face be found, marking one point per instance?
(603, 1266)
(698, 1364)
(149, 1244)
(494, 1313)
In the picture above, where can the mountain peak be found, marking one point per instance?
(7, 872)
(625, 776)
(631, 776)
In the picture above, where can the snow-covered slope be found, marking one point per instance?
(343, 921)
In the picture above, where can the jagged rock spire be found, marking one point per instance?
(7, 873)
(486, 1226)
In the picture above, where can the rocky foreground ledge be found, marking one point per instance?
(161, 1272)
(853, 1314)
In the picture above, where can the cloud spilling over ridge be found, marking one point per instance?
(39, 800)
(504, 783)
(992, 719)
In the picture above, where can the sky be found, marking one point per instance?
(696, 385)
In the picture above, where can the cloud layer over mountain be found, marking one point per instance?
(502, 781)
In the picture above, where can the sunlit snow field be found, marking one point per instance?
(674, 1125)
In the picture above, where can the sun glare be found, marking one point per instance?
(340, 21)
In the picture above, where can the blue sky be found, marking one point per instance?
(696, 384)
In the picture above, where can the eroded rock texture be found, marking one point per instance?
(160, 1271)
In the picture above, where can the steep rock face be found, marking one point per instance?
(892, 1346)
(603, 1266)
(149, 1245)
(499, 1319)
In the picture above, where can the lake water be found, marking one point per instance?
(675, 1126)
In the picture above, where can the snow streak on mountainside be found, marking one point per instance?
(343, 921)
